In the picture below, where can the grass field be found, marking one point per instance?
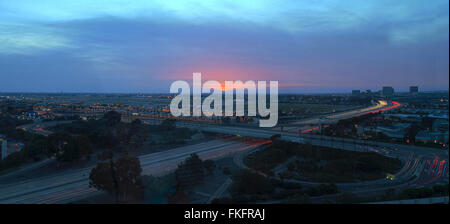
(319, 164)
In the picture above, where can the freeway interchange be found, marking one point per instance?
(421, 166)
(416, 159)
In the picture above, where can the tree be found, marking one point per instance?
(179, 197)
(136, 124)
(121, 132)
(36, 147)
(168, 125)
(107, 139)
(112, 118)
(209, 166)
(155, 187)
(67, 148)
(247, 182)
(412, 132)
(190, 172)
(58, 143)
(137, 134)
(427, 122)
(120, 178)
(70, 153)
(83, 146)
(135, 127)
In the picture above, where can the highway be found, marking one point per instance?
(320, 140)
(416, 160)
(333, 142)
(339, 116)
(312, 124)
(74, 184)
(40, 127)
(422, 166)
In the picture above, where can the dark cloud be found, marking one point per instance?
(133, 55)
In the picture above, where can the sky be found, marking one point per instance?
(142, 46)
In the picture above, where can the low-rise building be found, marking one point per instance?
(413, 89)
(433, 137)
(440, 125)
(392, 132)
(387, 91)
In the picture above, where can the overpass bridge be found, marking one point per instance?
(320, 140)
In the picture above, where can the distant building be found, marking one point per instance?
(397, 131)
(413, 89)
(19, 109)
(440, 125)
(30, 115)
(432, 136)
(356, 92)
(387, 91)
(404, 117)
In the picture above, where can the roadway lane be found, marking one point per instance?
(39, 127)
(339, 116)
(73, 184)
(320, 140)
(312, 124)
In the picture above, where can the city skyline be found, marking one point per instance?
(310, 47)
(350, 90)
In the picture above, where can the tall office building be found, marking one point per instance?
(413, 89)
(388, 91)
